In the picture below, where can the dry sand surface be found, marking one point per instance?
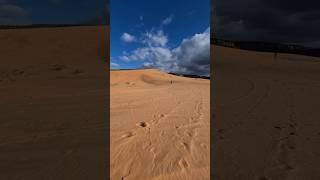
(53, 103)
(266, 113)
(159, 130)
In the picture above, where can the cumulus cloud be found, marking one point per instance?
(147, 65)
(192, 56)
(128, 38)
(167, 20)
(114, 65)
(124, 58)
(152, 38)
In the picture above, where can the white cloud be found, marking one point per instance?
(157, 38)
(147, 64)
(191, 56)
(167, 20)
(124, 58)
(126, 37)
(114, 65)
(140, 54)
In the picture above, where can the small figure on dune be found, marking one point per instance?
(171, 82)
(275, 55)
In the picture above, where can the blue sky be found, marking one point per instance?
(160, 34)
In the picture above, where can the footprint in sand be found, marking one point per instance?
(57, 67)
(189, 133)
(127, 135)
(221, 133)
(185, 146)
(263, 178)
(142, 124)
(17, 72)
(152, 150)
(292, 133)
(204, 146)
(77, 71)
(183, 164)
(162, 115)
(131, 83)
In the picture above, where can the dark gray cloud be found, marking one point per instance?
(267, 20)
(193, 55)
(55, 1)
(11, 14)
(102, 17)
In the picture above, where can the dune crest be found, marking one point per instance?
(145, 77)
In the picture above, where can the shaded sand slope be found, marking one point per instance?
(266, 113)
(53, 103)
(159, 129)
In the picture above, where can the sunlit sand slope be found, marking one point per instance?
(159, 126)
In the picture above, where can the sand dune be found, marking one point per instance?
(53, 103)
(266, 115)
(159, 126)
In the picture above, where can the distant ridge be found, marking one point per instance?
(190, 76)
(45, 26)
(268, 47)
(176, 74)
(124, 69)
(130, 69)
